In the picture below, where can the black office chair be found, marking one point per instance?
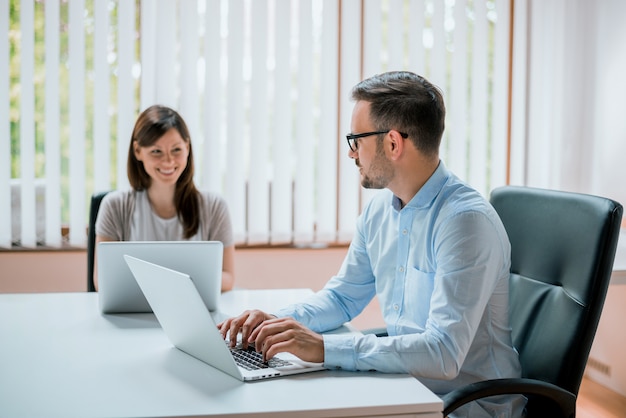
(562, 250)
(96, 199)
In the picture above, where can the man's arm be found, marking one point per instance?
(470, 260)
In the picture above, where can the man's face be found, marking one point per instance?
(375, 168)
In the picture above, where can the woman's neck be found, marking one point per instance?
(162, 201)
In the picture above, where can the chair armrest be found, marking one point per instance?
(563, 400)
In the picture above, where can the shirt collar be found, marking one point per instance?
(429, 190)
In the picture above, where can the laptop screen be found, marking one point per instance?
(118, 289)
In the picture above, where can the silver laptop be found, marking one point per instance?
(118, 290)
(190, 327)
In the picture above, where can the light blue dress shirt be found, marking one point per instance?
(440, 268)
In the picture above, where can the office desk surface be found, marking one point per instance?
(60, 357)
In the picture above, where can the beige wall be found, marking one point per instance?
(66, 271)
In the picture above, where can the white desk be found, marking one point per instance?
(60, 357)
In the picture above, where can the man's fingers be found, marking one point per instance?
(274, 336)
(268, 327)
(243, 324)
(249, 326)
(275, 345)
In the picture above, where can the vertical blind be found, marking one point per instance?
(264, 87)
(5, 129)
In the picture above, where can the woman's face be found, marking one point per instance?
(166, 159)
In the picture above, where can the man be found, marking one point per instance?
(430, 247)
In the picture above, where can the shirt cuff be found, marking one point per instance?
(339, 352)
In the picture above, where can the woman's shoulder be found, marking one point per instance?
(211, 197)
(213, 202)
(120, 200)
(120, 196)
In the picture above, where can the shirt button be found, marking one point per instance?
(404, 232)
(395, 307)
(401, 269)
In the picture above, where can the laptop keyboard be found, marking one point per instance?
(249, 359)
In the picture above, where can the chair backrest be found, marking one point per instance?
(96, 199)
(562, 250)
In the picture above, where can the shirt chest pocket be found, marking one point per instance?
(419, 287)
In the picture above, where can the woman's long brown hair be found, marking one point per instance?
(151, 125)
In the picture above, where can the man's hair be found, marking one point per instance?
(151, 125)
(408, 103)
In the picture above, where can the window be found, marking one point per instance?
(264, 86)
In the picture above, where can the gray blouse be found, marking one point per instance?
(124, 215)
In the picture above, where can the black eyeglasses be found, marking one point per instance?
(352, 138)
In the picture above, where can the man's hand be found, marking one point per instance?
(279, 335)
(244, 323)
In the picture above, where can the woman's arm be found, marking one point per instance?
(228, 268)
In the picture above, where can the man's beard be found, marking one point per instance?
(379, 174)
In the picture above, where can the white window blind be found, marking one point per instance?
(102, 175)
(77, 63)
(5, 131)
(52, 218)
(259, 138)
(27, 124)
(264, 87)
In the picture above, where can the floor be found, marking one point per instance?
(596, 401)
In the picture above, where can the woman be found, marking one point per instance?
(164, 204)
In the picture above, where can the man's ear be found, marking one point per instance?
(395, 144)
